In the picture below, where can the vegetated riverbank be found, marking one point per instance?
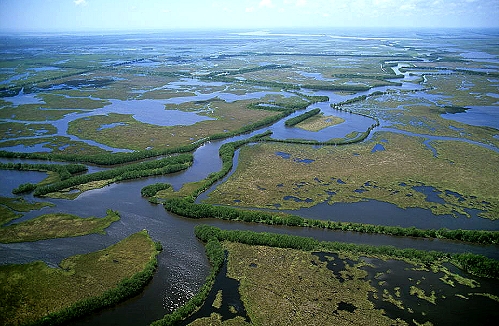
(337, 287)
(40, 295)
(182, 203)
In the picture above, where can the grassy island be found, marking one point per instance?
(36, 294)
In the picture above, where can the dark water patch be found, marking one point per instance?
(341, 182)
(111, 125)
(451, 127)
(280, 185)
(298, 200)
(459, 197)
(482, 116)
(382, 213)
(334, 263)
(11, 179)
(231, 304)
(431, 194)
(378, 148)
(360, 190)
(35, 148)
(283, 155)
(304, 160)
(301, 184)
(297, 160)
(370, 184)
(402, 281)
(345, 306)
(427, 143)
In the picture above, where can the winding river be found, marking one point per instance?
(182, 264)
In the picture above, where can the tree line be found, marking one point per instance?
(131, 171)
(151, 190)
(186, 207)
(476, 264)
(65, 171)
(302, 117)
(125, 289)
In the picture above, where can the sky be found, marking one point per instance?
(101, 15)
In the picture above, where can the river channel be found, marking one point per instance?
(182, 264)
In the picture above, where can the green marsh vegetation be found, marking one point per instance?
(12, 208)
(319, 122)
(37, 294)
(302, 117)
(386, 175)
(229, 119)
(334, 283)
(17, 129)
(84, 182)
(410, 112)
(58, 225)
(181, 202)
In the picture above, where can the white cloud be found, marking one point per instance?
(266, 3)
(408, 7)
(80, 2)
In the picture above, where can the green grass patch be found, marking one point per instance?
(319, 122)
(10, 208)
(36, 293)
(287, 280)
(18, 129)
(386, 175)
(58, 225)
(229, 118)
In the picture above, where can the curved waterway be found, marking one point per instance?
(182, 264)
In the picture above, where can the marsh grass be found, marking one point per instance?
(10, 208)
(33, 112)
(35, 290)
(17, 129)
(319, 122)
(57, 225)
(229, 117)
(281, 286)
(66, 102)
(57, 145)
(386, 175)
(292, 287)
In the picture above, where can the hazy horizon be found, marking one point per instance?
(151, 15)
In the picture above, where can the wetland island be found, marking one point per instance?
(328, 177)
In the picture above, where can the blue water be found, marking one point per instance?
(482, 116)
